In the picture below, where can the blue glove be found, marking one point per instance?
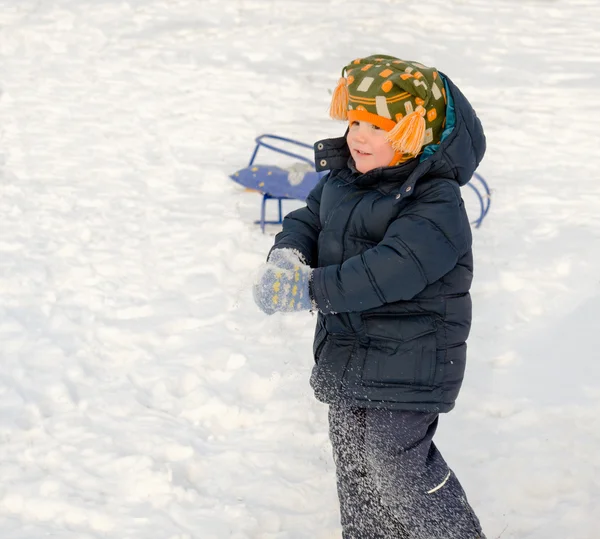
(286, 258)
(283, 287)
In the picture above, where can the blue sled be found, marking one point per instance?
(297, 181)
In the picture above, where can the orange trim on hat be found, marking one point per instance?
(365, 116)
(398, 159)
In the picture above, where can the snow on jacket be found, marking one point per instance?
(393, 267)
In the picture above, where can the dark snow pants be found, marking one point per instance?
(392, 481)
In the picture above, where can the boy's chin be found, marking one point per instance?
(363, 168)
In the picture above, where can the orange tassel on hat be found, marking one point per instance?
(408, 135)
(339, 101)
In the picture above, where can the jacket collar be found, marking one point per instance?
(334, 154)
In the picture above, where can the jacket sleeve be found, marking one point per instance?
(423, 244)
(301, 227)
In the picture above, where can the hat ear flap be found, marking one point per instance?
(338, 109)
(408, 134)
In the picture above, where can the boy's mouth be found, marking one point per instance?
(360, 152)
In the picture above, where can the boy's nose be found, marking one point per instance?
(361, 132)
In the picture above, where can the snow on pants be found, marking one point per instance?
(392, 481)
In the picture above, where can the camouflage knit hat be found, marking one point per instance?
(405, 98)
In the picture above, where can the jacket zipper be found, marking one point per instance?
(344, 237)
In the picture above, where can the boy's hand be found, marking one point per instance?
(283, 289)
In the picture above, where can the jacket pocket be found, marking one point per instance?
(329, 372)
(401, 350)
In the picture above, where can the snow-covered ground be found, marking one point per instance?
(142, 394)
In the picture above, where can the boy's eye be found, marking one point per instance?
(375, 126)
(353, 123)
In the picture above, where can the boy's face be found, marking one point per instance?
(368, 146)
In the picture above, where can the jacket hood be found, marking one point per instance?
(456, 157)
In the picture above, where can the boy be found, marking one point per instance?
(383, 251)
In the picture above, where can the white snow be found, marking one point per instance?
(143, 395)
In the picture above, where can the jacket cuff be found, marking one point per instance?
(316, 290)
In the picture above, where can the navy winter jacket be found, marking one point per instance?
(393, 266)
